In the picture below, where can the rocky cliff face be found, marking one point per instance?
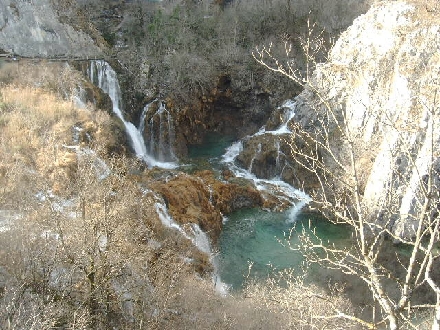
(32, 29)
(382, 82)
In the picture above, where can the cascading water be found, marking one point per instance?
(276, 187)
(251, 236)
(102, 74)
(160, 130)
(253, 158)
(289, 107)
(264, 153)
(198, 237)
(144, 116)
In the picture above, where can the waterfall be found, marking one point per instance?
(161, 132)
(289, 107)
(144, 116)
(276, 187)
(102, 74)
(278, 161)
(198, 237)
(253, 158)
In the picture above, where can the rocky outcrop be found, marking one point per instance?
(381, 80)
(202, 199)
(226, 110)
(232, 194)
(32, 29)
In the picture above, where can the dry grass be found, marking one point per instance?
(56, 77)
(36, 126)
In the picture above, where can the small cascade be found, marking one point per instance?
(263, 154)
(143, 116)
(279, 164)
(274, 187)
(257, 232)
(161, 132)
(289, 107)
(102, 74)
(167, 220)
(253, 158)
(277, 161)
(201, 241)
(79, 98)
(198, 237)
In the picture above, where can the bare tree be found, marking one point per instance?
(326, 145)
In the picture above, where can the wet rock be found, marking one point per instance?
(202, 199)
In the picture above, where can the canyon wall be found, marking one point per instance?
(382, 82)
(33, 29)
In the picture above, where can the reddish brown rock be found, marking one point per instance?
(232, 195)
(202, 199)
(188, 201)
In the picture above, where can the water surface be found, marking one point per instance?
(261, 238)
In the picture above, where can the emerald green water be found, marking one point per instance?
(256, 236)
(214, 145)
(261, 238)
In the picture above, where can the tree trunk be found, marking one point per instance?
(436, 318)
(392, 320)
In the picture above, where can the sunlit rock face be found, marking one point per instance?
(32, 29)
(382, 77)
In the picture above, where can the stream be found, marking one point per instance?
(253, 242)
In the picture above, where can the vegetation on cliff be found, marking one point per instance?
(87, 247)
(82, 245)
(196, 55)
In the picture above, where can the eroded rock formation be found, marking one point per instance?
(202, 199)
(381, 80)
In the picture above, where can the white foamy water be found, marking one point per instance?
(276, 187)
(102, 73)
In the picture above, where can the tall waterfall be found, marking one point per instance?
(103, 76)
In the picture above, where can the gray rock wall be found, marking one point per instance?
(31, 28)
(383, 76)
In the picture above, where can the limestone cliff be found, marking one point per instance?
(32, 29)
(382, 81)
